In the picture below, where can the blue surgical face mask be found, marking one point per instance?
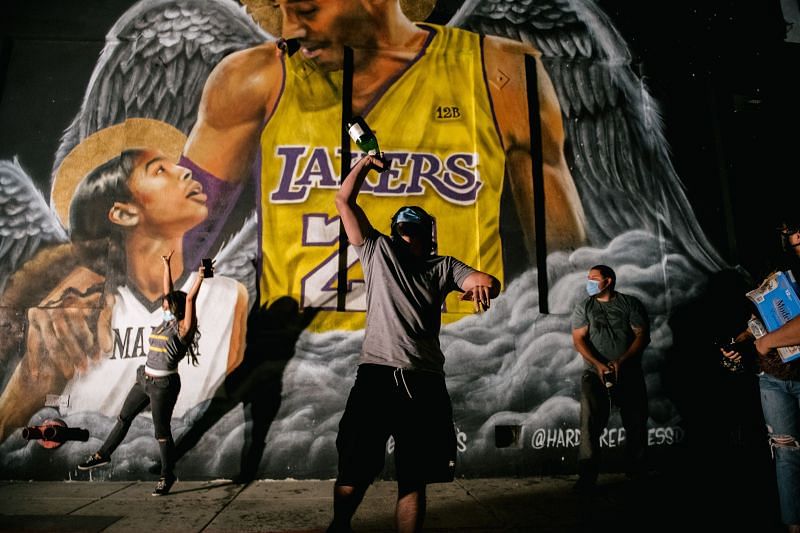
(168, 316)
(593, 287)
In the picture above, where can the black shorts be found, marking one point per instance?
(415, 409)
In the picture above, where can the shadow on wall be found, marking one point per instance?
(256, 383)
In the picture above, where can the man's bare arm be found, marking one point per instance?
(355, 221)
(564, 217)
(190, 312)
(641, 338)
(238, 97)
(480, 287)
(166, 282)
(580, 339)
(786, 335)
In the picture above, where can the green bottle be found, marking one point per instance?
(363, 136)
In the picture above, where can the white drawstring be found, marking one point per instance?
(403, 378)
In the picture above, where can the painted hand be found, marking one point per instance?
(71, 327)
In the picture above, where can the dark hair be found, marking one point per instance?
(177, 303)
(607, 272)
(786, 229)
(425, 220)
(88, 213)
(95, 196)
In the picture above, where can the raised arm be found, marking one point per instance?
(190, 313)
(355, 221)
(167, 282)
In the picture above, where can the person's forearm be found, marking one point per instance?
(786, 335)
(483, 279)
(167, 281)
(587, 352)
(636, 348)
(348, 192)
(354, 220)
(194, 290)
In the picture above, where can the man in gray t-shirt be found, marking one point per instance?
(400, 388)
(610, 330)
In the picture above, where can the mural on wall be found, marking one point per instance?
(198, 86)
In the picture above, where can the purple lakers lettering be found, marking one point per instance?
(455, 178)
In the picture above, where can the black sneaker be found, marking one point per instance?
(163, 486)
(94, 461)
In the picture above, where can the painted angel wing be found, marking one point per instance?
(155, 63)
(26, 222)
(615, 146)
(237, 257)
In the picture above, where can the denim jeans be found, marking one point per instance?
(630, 395)
(780, 401)
(160, 393)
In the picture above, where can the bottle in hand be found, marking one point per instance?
(363, 136)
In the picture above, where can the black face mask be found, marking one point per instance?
(414, 231)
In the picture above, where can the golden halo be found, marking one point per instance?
(268, 15)
(105, 145)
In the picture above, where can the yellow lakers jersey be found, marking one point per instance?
(435, 126)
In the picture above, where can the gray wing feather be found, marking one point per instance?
(237, 257)
(26, 222)
(616, 148)
(155, 62)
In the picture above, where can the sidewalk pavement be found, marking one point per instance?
(542, 504)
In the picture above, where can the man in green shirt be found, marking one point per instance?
(610, 330)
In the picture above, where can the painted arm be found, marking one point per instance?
(355, 221)
(239, 331)
(564, 218)
(239, 96)
(480, 287)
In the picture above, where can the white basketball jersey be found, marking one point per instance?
(105, 385)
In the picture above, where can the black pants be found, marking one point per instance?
(630, 395)
(160, 393)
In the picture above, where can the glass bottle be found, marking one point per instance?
(363, 136)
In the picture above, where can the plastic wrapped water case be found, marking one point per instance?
(777, 302)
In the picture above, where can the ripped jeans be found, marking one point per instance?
(161, 394)
(780, 401)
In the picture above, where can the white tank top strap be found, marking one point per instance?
(154, 372)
